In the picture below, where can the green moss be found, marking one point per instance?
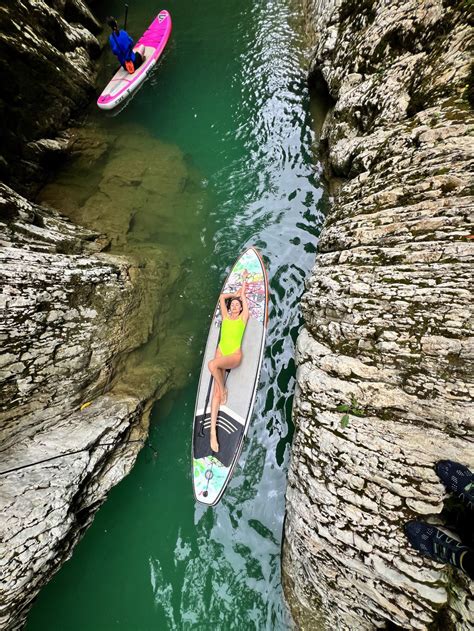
(460, 6)
(358, 11)
(398, 41)
(469, 90)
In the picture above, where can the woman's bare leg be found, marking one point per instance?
(215, 403)
(219, 364)
(217, 367)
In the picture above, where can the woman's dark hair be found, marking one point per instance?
(228, 302)
(112, 22)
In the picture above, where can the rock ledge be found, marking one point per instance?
(388, 320)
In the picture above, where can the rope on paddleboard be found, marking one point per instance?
(208, 396)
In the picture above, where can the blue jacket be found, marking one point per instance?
(122, 45)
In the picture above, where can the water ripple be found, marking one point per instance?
(268, 198)
(246, 127)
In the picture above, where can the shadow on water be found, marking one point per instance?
(235, 121)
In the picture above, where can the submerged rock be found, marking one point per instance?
(83, 334)
(69, 312)
(388, 321)
(131, 185)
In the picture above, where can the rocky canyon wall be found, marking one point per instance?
(70, 428)
(47, 52)
(387, 320)
(73, 315)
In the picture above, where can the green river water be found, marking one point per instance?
(229, 104)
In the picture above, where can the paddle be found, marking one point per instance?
(126, 16)
(208, 395)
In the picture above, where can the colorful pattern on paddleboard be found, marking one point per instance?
(256, 285)
(122, 83)
(210, 475)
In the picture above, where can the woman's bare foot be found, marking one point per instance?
(224, 397)
(214, 443)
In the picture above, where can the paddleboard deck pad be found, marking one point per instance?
(122, 83)
(212, 471)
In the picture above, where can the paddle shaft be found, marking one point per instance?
(126, 16)
(208, 395)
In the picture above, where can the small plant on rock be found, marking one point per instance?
(353, 408)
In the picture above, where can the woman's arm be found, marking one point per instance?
(243, 297)
(223, 306)
(236, 294)
(227, 296)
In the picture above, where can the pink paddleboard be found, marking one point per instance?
(122, 83)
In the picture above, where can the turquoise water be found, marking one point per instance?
(230, 94)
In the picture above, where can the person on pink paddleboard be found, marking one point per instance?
(122, 47)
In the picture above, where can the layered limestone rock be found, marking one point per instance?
(47, 49)
(388, 321)
(68, 313)
(84, 305)
(84, 317)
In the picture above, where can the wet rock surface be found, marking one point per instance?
(46, 64)
(85, 304)
(85, 307)
(388, 321)
(70, 427)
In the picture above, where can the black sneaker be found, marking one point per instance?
(435, 543)
(458, 479)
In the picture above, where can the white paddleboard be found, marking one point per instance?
(212, 471)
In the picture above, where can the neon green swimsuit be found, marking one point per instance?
(232, 332)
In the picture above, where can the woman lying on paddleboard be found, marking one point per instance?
(228, 353)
